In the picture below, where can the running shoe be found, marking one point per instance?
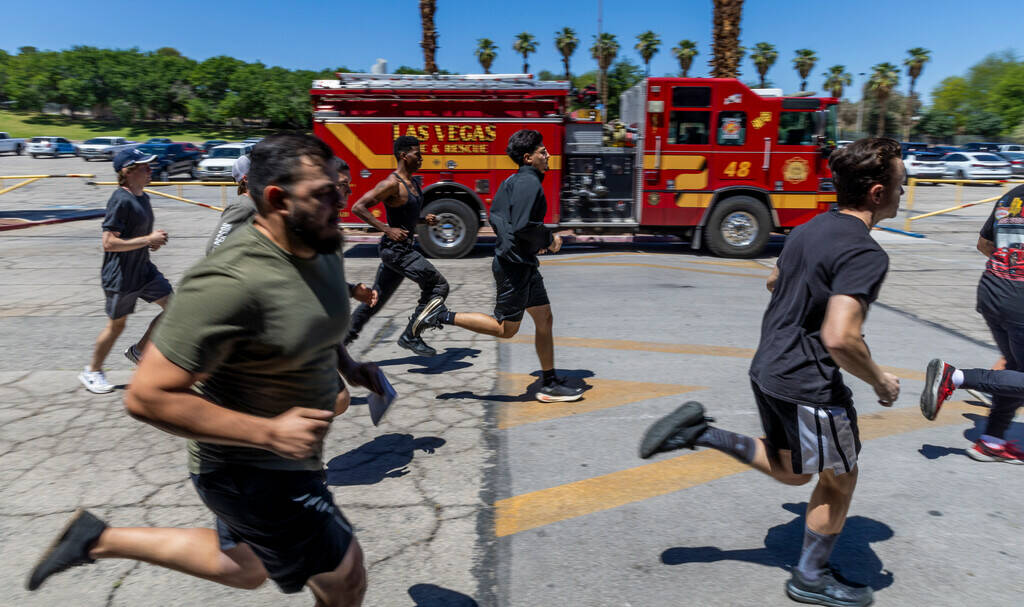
(677, 430)
(1007, 452)
(416, 344)
(70, 549)
(133, 354)
(95, 381)
(427, 318)
(558, 392)
(830, 588)
(938, 386)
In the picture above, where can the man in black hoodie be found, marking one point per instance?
(517, 216)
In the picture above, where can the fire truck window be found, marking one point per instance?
(732, 128)
(796, 128)
(689, 128)
(691, 96)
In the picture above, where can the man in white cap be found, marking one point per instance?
(128, 274)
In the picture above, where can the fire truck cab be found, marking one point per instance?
(709, 160)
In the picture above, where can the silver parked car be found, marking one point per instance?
(976, 165)
(104, 148)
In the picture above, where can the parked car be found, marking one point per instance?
(252, 140)
(190, 147)
(50, 146)
(944, 149)
(171, 159)
(217, 165)
(976, 165)
(209, 145)
(924, 165)
(912, 146)
(159, 140)
(1016, 160)
(104, 148)
(10, 144)
(980, 147)
(1011, 147)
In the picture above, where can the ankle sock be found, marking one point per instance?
(447, 317)
(737, 445)
(958, 378)
(814, 556)
(548, 376)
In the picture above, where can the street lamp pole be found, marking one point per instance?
(860, 109)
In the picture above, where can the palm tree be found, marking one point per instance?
(685, 51)
(604, 50)
(566, 42)
(647, 45)
(764, 57)
(524, 45)
(884, 78)
(915, 64)
(804, 63)
(429, 42)
(486, 51)
(725, 49)
(836, 78)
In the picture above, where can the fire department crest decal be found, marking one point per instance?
(737, 98)
(762, 119)
(796, 170)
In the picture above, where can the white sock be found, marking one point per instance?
(958, 378)
(992, 440)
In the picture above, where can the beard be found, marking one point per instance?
(304, 227)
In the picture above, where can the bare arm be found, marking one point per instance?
(841, 336)
(772, 279)
(384, 190)
(986, 246)
(113, 243)
(160, 395)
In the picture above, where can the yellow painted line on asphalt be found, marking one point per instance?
(651, 265)
(546, 506)
(603, 394)
(566, 258)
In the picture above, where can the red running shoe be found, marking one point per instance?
(1008, 452)
(938, 386)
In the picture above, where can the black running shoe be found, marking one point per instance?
(416, 344)
(558, 392)
(829, 589)
(70, 549)
(677, 430)
(429, 316)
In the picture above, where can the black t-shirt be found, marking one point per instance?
(832, 254)
(131, 216)
(1000, 297)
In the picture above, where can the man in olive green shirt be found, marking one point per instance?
(258, 326)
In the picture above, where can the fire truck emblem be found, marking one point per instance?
(730, 128)
(762, 119)
(737, 98)
(1002, 213)
(796, 170)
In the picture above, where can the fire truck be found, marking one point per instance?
(707, 159)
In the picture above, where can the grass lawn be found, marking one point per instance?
(30, 124)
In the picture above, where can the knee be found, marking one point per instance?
(796, 479)
(251, 580)
(351, 587)
(508, 330)
(838, 483)
(442, 288)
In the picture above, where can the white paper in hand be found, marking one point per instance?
(380, 403)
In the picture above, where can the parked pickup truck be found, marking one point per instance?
(104, 148)
(10, 144)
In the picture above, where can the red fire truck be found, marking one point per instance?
(713, 161)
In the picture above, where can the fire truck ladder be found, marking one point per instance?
(498, 82)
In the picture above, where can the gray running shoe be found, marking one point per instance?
(70, 549)
(677, 430)
(830, 589)
(558, 392)
(133, 354)
(428, 316)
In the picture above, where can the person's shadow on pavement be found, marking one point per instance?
(972, 434)
(574, 378)
(449, 360)
(782, 544)
(430, 595)
(386, 456)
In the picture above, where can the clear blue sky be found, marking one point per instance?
(315, 35)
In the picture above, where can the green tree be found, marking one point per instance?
(547, 75)
(405, 69)
(937, 124)
(647, 44)
(168, 51)
(525, 44)
(485, 53)
(684, 53)
(986, 124)
(566, 43)
(621, 77)
(804, 63)
(211, 78)
(603, 50)
(836, 79)
(1007, 96)
(429, 42)
(884, 78)
(725, 47)
(764, 57)
(915, 64)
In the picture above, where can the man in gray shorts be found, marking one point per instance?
(128, 274)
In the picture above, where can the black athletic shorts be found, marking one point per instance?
(520, 286)
(120, 304)
(287, 517)
(817, 437)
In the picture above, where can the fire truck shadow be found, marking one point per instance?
(574, 378)
(853, 553)
(449, 360)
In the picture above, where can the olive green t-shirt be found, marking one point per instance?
(266, 326)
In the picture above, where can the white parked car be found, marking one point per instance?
(217, 165)
(1011, 147)
(976, 165)
(924, 165)
(11, 144)
(104, 148)
(50, 146)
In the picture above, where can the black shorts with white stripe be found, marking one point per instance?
(818, 438)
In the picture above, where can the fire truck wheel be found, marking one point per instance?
(455, 232)
(739, 227)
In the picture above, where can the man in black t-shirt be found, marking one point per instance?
(128, 274)
(826, 277)
(1001, 303)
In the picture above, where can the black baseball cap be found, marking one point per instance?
(127, 158)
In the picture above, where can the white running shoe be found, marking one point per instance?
(95, 381)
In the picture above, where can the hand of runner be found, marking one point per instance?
(889, 390)
(365, 375)
(431, 219)
(555, 246)
(396, 234)
(157, 239)
(365, 294)
(298, 432)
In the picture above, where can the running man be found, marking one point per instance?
(128, 274)
(517, 216)
(1001, 303)
(826, 277)
(259, 324)
(403, 202)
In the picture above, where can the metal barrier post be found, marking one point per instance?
(912, 184)
(181, 191)
(223, 195)
(959, 192)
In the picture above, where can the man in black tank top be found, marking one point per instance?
(403, 202)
